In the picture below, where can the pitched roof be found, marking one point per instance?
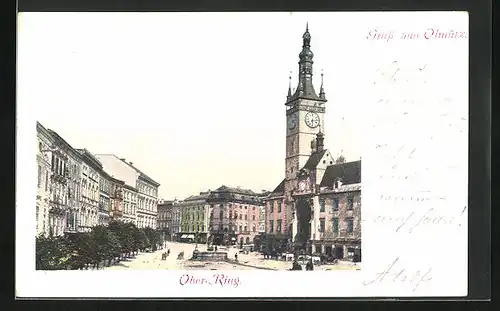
(314, 159)
(348, 173)
(201, 196)
(279, 190)
(142, 174)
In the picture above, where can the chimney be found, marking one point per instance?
(131, 163)
(123, 159)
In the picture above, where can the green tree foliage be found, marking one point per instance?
(103, 244)
(141, 240)
(52, 253)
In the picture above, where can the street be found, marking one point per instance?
(251, 261)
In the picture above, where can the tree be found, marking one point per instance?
(105, 244)
(51, 253)
(124, 234)
(141, 240)
(153, 237)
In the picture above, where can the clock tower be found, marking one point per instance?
(305, 112)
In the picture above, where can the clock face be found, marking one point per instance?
(292, 122)
(312, 119)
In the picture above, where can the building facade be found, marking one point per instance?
(90, 197)
(66, 186)
(195, 212)
(129, 204)
(164, 219)
(296, 210)
(116, 197)
(147, 201)
(105, 203)
(176, 220)
(234, 215)
(44, 187)
(140, 191)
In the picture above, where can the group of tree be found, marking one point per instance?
(102, 245)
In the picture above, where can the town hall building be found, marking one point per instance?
(317, 206)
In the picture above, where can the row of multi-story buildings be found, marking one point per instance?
(317, 206)
(222, 216)
(78, 190)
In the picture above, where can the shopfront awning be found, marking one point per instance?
(184, 236)
(190, 236)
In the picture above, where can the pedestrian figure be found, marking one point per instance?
(309, 265)
(168, 251)
(216, 248)
(296, 266)
(236, 256)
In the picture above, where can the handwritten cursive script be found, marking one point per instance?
(398, 274)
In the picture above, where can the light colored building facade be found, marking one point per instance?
(140, 191)
(297, 213)
(90, 196)
(129, 204)
(147, 201)
(44, 187)
(195, 213)
(65, 184)
(105, 202)
(234, 215)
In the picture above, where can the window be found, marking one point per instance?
(335, 204)
(350, 225)
(245, 228)
(322, 205)
(221, 214)
(321, 225)
(271, 226)
(335, 225)
(279, 207)
(240, 229)
(350, 203)
(241, 216)
(202, 227)
(230, 215)
(245, 207)
(246, 217)
(253, 217)
(253, 208)
(350, 252)
(278, 225)
(271, 207)
(235, 215)
(253, 228)
(46, 181)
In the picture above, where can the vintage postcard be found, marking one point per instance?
(242, 154)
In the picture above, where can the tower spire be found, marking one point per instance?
(321, 89)
(289, 96)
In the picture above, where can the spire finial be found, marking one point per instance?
(321, 89)
(307, 26)
(289, 96)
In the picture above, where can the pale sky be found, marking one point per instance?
(195, 100)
